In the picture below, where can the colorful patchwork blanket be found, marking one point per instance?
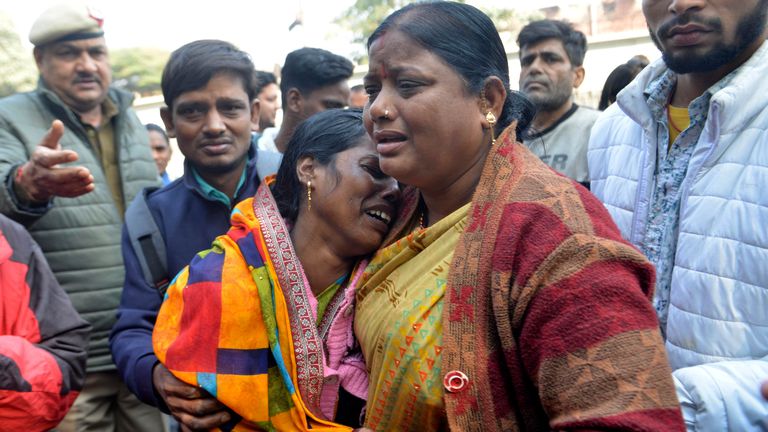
(240, 322)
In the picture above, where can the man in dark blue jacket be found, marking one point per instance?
(210, 96)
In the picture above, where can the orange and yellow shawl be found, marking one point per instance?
(240, 322)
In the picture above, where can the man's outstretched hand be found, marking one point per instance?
(41, 178)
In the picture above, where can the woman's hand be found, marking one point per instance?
(193, 407)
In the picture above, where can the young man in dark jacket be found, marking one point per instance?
(211, 103)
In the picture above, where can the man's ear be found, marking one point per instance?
(167, 116)
(294, 101)
(578, 76)
(305, 169)
(37, 53)
(255, 110)
(494, 95)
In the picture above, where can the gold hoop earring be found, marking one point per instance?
(491, 119)
(309, 195)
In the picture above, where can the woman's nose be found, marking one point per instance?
(391, 190)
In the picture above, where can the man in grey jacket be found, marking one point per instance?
(72, 154)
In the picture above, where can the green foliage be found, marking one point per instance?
(510, 20)
(364, 16)
(138, 69)
(17, 67)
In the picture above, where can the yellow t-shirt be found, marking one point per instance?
(678, 121)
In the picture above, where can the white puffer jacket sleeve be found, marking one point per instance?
(723, 396)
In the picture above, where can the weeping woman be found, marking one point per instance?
(263, 320)
(505, 298)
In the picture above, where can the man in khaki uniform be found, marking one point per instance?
(72, 154)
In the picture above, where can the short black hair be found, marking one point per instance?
(308, 69)
(263, 79)
(476, 55)
(574, 42)
(194, 64)
(151, 127)
(322, 137)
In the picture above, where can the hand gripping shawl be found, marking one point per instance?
(240, 322)
(547, 309)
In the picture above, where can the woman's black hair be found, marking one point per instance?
(617, 80)
(321, 137)
(466, 39)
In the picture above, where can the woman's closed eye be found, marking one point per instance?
(374, 170)
(372, 91)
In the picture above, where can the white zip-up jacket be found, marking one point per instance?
(717, 329)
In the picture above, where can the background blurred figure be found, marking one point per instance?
(637, 63)
(681, 162)
(357, 96)
(619, 78)
(268, 94)
(616, 81)
(42, 338)
(69, 186)
(161, 150)
(551, 59)
(312, 80)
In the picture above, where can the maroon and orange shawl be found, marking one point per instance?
(547, 309)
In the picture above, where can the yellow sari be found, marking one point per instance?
(398, 321)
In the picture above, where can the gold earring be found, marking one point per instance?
(491, 119)
(309, 195)
(489, 116)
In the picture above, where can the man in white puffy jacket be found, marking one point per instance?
(681, 162)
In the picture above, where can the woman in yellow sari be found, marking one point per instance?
(505, 298)
(262, 321)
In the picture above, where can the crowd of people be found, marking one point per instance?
(429, 251)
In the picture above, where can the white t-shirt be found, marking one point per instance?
(563, 146)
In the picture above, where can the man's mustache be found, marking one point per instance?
(688, 17)
(86, 78)
(540, 81)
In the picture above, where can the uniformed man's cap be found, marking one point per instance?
(65, 22)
